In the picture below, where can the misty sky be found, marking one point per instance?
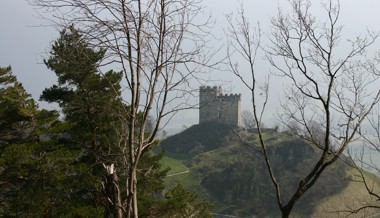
(25, 39)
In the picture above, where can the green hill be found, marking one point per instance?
(198, 139)
(234, 176)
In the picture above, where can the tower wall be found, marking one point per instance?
(208, 103)
(214, 105)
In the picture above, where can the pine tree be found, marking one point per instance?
(31, 164)
(91, 104)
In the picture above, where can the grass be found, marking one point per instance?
(175, 165)
(179, 156)
(352, 196)
(188, 180)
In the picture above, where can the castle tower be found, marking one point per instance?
(208, 102)
(214, 105)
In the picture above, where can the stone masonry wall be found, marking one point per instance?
(216, 106)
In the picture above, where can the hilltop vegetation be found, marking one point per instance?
(198, 139)
(234, 176)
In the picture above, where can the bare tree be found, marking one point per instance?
(159, 45)
(328, 97)
(248, 121)
(363, 160)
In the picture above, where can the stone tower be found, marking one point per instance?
(216, 106)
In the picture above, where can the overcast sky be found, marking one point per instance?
(25, 40)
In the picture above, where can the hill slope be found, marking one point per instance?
(234, 176)
(198, 138)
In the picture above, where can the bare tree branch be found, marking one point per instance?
(327, 99)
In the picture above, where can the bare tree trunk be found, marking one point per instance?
(132, 200)
(112, 189)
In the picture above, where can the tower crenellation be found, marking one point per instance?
(214, 105)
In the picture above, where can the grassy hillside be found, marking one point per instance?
(234, 177)
(354, 195)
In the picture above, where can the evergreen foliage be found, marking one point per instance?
(56, 167)
(90, 105)
(30, 163)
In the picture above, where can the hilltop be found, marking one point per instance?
(198, 139)
(233, 176)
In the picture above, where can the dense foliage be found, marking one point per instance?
(57, 167)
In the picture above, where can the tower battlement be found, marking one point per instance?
(214, 105)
